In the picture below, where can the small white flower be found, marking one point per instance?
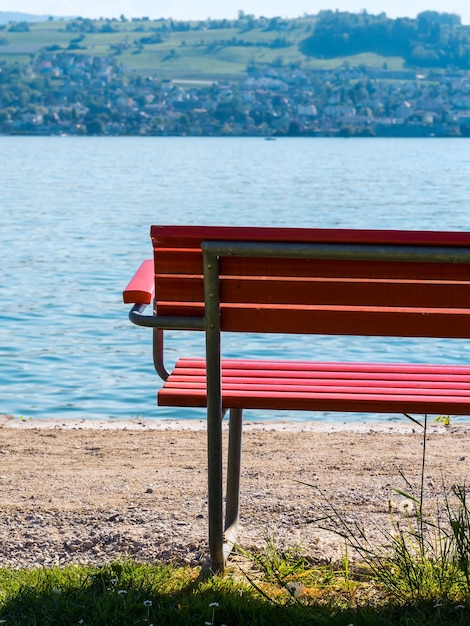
(216, 604)
(147, 602)
(113, 580)
(121, 591)
(459, 607)
(406, 507)
(295, 589)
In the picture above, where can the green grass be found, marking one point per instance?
(202, 54)
(38, 38)
(183, 66)
(17, 57)
(285, 589)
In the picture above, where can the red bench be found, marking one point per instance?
(303, 281)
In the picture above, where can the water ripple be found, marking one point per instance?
(75, 222)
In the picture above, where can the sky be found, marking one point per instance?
(215, 9)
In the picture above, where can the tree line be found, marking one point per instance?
(431, 40)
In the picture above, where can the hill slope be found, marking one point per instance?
(8, 16)
(213, 49)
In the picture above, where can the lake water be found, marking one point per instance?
(75, 217)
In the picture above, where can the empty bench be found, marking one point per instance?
(303, 281)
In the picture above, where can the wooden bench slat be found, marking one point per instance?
(280, 365)
(346, 402)
(181, 262)
(400, 388)
(337, 268)
(191, 236)
(333, 320)
(327, 369)
(258, 376)
(252, 387)
(336, 320)
(190, 262)
(319, 290)
(252, 382)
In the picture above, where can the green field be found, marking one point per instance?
(197, 53)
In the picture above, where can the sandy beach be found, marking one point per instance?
(90, 492)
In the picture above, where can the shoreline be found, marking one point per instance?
(155, 424)
(83, 491)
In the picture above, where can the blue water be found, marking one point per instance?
(75, 217)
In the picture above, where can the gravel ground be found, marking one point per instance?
(92, 492)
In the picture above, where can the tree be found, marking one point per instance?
(230, 109)
(452, 19)
(5, 115)
(95, 126)
(19, 27)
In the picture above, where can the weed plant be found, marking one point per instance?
(424, 555)
(418, 574)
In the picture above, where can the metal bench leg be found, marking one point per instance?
(232, 503)
(215, 490)
(220, 542)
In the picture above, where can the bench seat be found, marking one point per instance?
(324, 386)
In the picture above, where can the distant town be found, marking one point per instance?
(74, 92)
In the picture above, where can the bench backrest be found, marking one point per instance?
(347, 296)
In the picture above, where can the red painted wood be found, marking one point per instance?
(278, 374)
(334, 320)
(337, 268)
(323, 401)
(313, 386)
(253, 386)
(175, 261)
(432, 293)
(284, 368)
(250, 382)
(316, 296)
(191, 236)
(178, 261)
(141, 287)
(319, 290)
(282, 365)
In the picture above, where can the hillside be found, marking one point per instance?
(9, 16)
(214, 49)
(324, 75)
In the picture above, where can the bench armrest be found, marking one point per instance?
(141, 288)
(141, 291)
